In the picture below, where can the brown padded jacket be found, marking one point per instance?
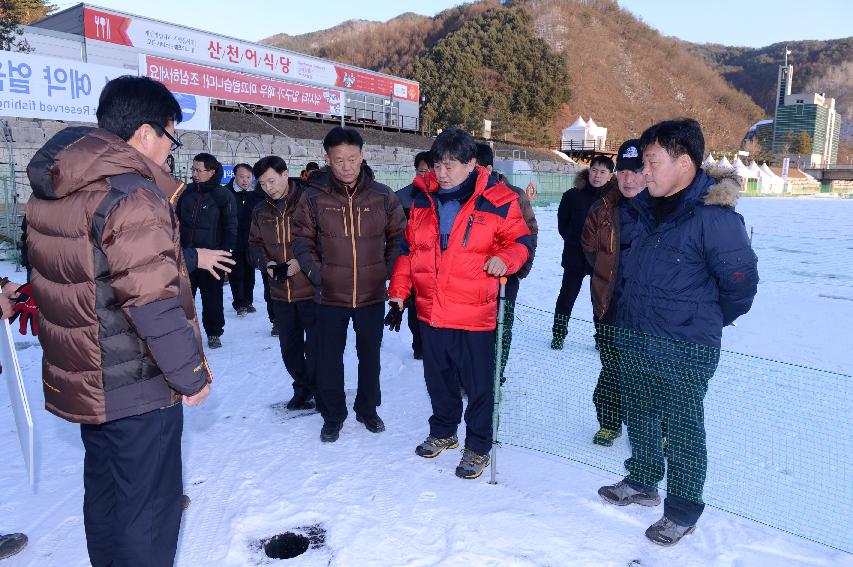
(347, 239)
(116, 315)
(600, 243)
(271, 240)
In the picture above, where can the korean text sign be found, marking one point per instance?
(212, 82)
(34, 86)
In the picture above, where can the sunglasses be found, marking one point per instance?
(175, 143)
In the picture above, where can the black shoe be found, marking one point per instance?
(214, 342)
(185, 502)
(251, 309)
(557, 343)
(374, 424)
(242, 312)
(301, 402)
(12, 544)
(330, 432)
(274, 330)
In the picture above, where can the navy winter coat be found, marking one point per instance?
(694, 273)
(246, 202)
(208, 215)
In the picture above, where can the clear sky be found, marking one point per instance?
(753, 23)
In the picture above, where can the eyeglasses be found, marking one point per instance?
(175, 143)
(197, 170)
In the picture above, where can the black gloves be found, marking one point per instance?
(394, 317)
(279, 273)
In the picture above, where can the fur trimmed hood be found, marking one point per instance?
(727, 188)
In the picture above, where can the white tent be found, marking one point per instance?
(766, 171)
(724, 162)
(770, 182)
(710, 160)
(586, 135)
(743, 172)
(753, 167)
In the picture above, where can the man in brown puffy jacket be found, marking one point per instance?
(292, 293)
(121, 342)
(602, 240)
(347, 233)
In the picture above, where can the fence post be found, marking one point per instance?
(499, 347)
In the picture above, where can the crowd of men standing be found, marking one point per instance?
(668, 255)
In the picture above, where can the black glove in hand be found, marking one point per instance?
(279, 273)
(394, 317)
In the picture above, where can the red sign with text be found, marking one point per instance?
(188, 78)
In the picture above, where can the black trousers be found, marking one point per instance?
(332, 324)
(511, 293)
(452, 356)
(569, 290)
(414, 326)
(132, 489)
(242, 281)
(267, 297)
(607, 395)
(298, 340)
(212, 313)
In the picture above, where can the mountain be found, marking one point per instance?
(582, 57)
(819, 66)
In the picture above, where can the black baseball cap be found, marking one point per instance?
(630, 156)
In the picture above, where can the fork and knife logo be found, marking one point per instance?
(102, 27)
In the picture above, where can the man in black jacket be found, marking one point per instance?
(590, 185)
(423, 165)
(242, 277)
(208, 216)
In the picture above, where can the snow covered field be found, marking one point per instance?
(254, 471)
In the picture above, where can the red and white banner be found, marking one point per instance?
(191, 45)
(211, 82)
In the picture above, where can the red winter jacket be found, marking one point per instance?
(452, 290)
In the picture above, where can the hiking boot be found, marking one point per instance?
(557, 343)
(214, 342)
(667, 533)
(242, 312)
(251, 309)
(374, 423)
(185, 502)
(12, 544)
(623, 493)
(605, 437)
(274, 330)
(331, 431)
(433, 446)
(301, 402)
(472, 464)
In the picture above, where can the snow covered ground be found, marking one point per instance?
(254, 471)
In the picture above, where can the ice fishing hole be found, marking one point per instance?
(286, 546)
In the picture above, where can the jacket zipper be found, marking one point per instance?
(286, 241)
(467, 230)
(359, 222)
(354, 254)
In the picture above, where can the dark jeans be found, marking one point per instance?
(452, 356)
(569, 290)
(132, 489)
(212, 313)
(607, 396)
(242, 281)
(668, 389)
(267, 297)
(296, 334)
(414, 327)
(332, 325)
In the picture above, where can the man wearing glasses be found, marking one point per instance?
(208, 215)
(120, 339)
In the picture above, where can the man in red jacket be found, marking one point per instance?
(465, 230)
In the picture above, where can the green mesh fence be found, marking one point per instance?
(779, 437)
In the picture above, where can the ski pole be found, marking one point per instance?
(497, 385)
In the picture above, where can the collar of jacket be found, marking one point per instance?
(210, 184)
(714, 187)
(489, 187)
(328, 183)
(79, 156)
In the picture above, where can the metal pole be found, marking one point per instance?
(751, 232)
(497, 382)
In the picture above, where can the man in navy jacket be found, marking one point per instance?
(688, 272)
